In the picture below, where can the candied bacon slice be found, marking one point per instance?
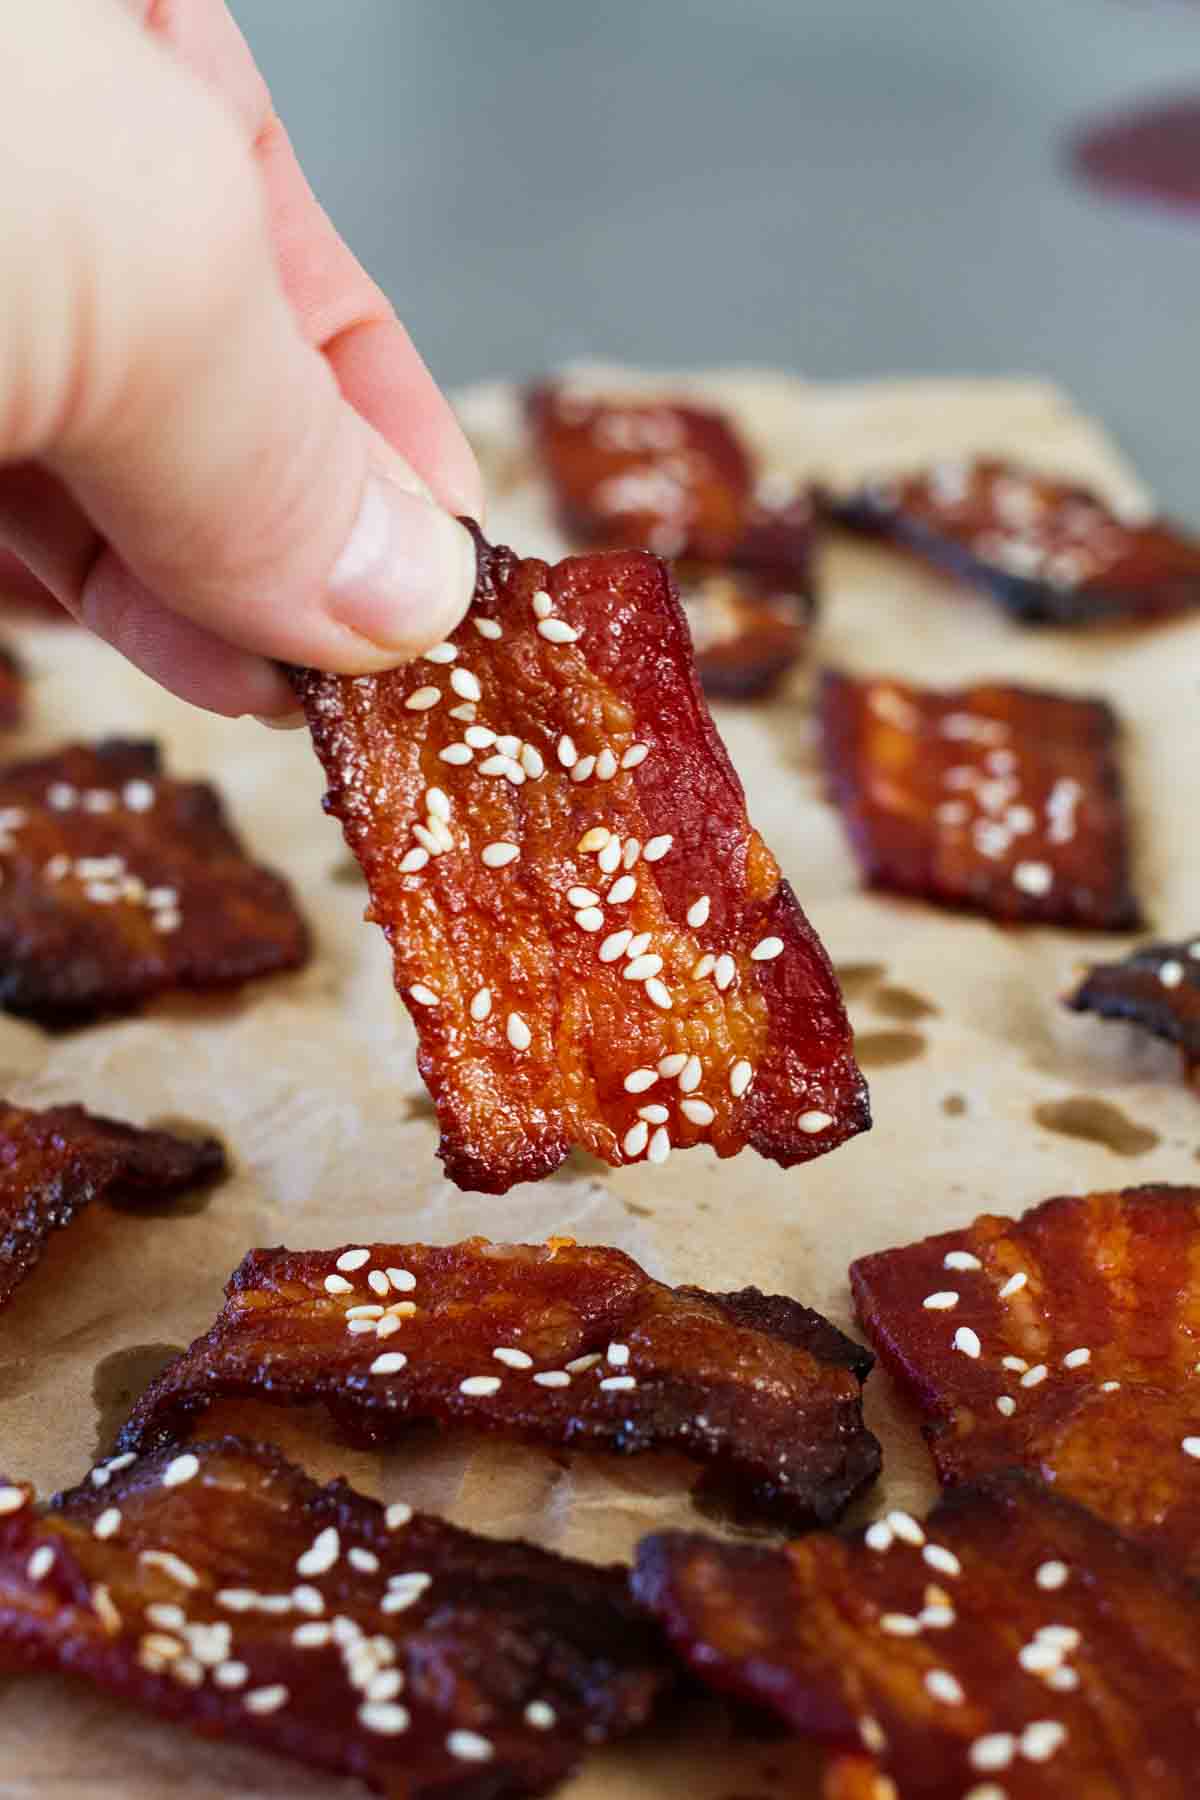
(55, 1161)
(595, 945)
(1156, 987)
(1002, 800)
(554, 1343)
(226, 1591)
(1051, 552)
(1013, 1644)
(119, 883)
(1064, 1341)
(746, 636)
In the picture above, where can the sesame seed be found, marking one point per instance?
(1040, 1740)
(468, 1746)
(464, 711)
(636, 753)
(937, 1616)
(1017, 1364)
(899, 1625)
(582, 1364)
(618, 1384)
(638, 946)
(581, 896)
(99, 800)
(1075, 1359)
(690, 1075)
(541, 1715)
(513, 1359)
(336, 1284)
(1038, 1658)
(906, 1528)
(617, 1355)
(236, 1599)
(322, 1553)
(639, 1080)
(437, 803)
(412, 860)
(61, 796)
(423, 698)
(993, 1751)
(231, 1674)
(657, 847)
(479, 1385)
(609, 859)
(105, 1609)
(397, 1515)
(390, 1363)
(669, 1066)
(615, 945)
(378, 1282)
(497, 854)
(308, 1599)
(698, 1111)
(941, 1301)
(583, 768)
(1062, 1678)
(425, 838)
(698, 911)
(423, 995)
(542, 604)
(553, 1378)
(383, 1717)
(967, 1341)
(172, 1565)
(1014, 1284)
(636, 1139)
(488, 628)
(725, 971)
(508, 745)
(631, 852)
(872, 1734)
(356, 1327)
(1006, 1405)
(518, 1032)
(960, 1259)
(642, 967)
(622, 889)
(941, 1685)
(557, 631)
(1063, 1637)
(1191, 1447)
(312, 1635)
(404, 1591)
(740, 1077)
(1051, 1575)
(703, 965)
(441, 653)
(108, 1524)
(387, 1326)
(350, 1260)
(180, 1469)
(654, 1115)
(1035, 1376)
(812, 1122)
(1034, 878)
(40, 1563)
(138, 796)
(365, 1560)
(658, 995)
(566, 752)
(465, 684)
(878, 1536)
(481, 1004)
(659, 1147)
(1109, 1387)
(1171, 974)
(945, 1561)
(498, 765)
(403, 1280)
(457, 754)
(606, 765)
(266, 1699)
(589, 918)
(594, 838)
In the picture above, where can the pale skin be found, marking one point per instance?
(218, 446)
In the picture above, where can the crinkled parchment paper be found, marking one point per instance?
(311, 1079)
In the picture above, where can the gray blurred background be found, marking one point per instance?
(844, 187)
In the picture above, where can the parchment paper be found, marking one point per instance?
(312, 1083)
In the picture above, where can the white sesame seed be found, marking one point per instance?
(581, 896)
(941, 1301)
(1051, 1575)
(441, 653)
(384, 1717)
(466, 711)
(266, 1699)
(617, 1355)
(615, 945)
(1062, 1679)
(517, 1032)
(1109, 1387)
(767, 949)
(479, 1385)
(636, 1139)
(397, 1515)
(40, 1563)
(967, 1341)
(468, 1746)
(703, 965)
(659, 1147)
(1017, 1364)
(698, 1111)
(497, 765)
(1170, 974)
(508, 744)
(231, 1674)
(138, 796)
(412, 860)
(725, 971)
(583, 769)
(1040, 1740)
(669, 1066)
(995, 1750)
(61, 796)
(1006, 1405)
(322, 1553)
(609, 859)
(337, 1284)
(945, 1561)
(618, 1384)
(424, 996)
(350, 1260)
(360, 1558)
(941, 1685)
(595, 838)
(513, 1359)
(390, 1363)
(378, 1282)
(108, 1524)
(1033, 1377)
(488, 628)
(1075, 1359)
(180, 1469)
(906, 1528)
(581, 1364)
(813, 1122)
(960, 1259)
(542, 604)
(878, 1536)
(1034, 878)
(457, 754)
(314, 1634)
(654, 1115)
(172, 1565)
(498, 853)
(631, 852)
(388, 1325)
(1014, 1284)
(698, 911)
(636, 753)
(359, 1327)
(425, 838)
(639, 1080)
(465, 684)
(740, 1077)
(553, 1378)
(656, 848)
(1063, 1637)
(622, 889)
(642, 967)
(1191, 1447)
(606, 765)
(657, 994)
(1038, 1658)
(481, 1004)
(423, 698)
(691, 1075)
(557, 631)
(437, 803)
(937, 1617)
(540, 1715)
(99, 800)
(589, 918)
(403, 1280)
(899, 1625)
(566, 752)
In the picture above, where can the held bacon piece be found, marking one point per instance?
(224, 1590)
(557, 1344)
(1051, 553)
(1003, 800)
(595, 945)
(118, 883)
(1156, 987)
(1063, 1341)
(55, 1161)
(1012, 1645)
(678, 480)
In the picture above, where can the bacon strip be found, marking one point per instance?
(118, 883)
(1063, 1341)
(1003, 800)
(55, 1161)
(224, 1590)
(595, 945)
(1011, 1645)
(1051, 552)
(1156, 987)
(557, 1344)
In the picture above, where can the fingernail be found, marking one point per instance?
(288, 721)
(406, 575)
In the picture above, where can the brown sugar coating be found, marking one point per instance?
(1010, 1645)
(557, 1344)
(1005, 801)
(1064, 1342)
(223, 1590)
(595, 945)
(57, 1160)
(1051, 552)
(1157, 987)
(118, 883)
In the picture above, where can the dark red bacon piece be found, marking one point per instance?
(1063, 1341)
(595, 945)
(1012, 1645)
(225, 1591)
(57, 1160)
(1156, 987)
(1051, 552)
(118, 883)
(1002, 800)
(557, 1344)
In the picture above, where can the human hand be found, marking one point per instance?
(218, 446)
